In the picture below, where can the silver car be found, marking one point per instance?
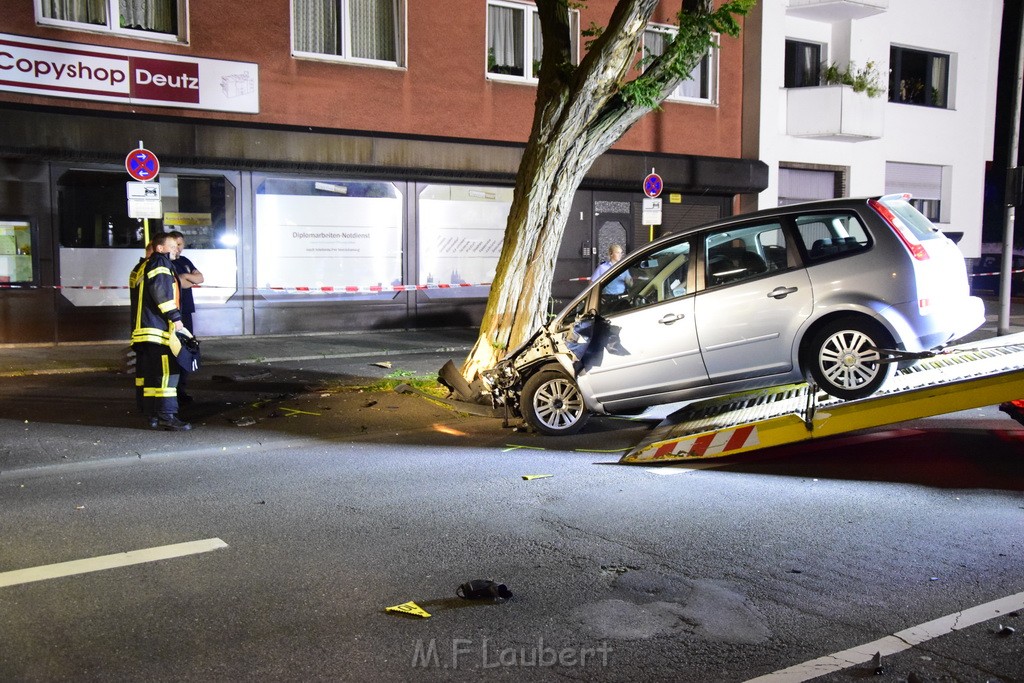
(839, 292)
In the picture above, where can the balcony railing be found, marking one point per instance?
(832, 11)
(834, 112)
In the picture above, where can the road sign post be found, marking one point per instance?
(143, 165)
(653, 186)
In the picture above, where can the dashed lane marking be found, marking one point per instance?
(95, 564)
(897, 642)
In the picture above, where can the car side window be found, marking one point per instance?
(651, 279)
(825, 236)
(742, 253)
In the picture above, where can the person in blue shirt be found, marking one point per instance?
(188, 276)
(619, 284)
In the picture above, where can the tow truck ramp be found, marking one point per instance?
(964, 377)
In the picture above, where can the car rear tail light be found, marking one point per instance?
(915, 248)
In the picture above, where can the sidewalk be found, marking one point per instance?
(375, 346)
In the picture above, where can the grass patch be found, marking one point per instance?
(428, 384)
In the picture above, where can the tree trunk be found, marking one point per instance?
(580, 112)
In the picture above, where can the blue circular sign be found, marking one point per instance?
(142, 164)
(653, 185)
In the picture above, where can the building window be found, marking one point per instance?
(16, 252)
(918, 77)
(163, 19)
(922, 181)
(100, 242)
(354, 30)
(798, 185)
(514, 44)
(702, 85)
(331, 238)
(461, 230)
(803, 64)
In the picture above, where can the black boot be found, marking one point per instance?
(171, 423)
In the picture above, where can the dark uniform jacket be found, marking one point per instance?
(154, 300)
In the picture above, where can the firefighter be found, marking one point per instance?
(155, 319)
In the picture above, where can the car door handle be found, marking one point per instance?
(781, 292)
(671, 318)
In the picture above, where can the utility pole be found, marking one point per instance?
(1014, 187)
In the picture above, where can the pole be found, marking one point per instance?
(1005, 272)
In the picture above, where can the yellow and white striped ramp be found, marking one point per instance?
(983, 374)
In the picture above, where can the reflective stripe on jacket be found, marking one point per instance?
(154, 300)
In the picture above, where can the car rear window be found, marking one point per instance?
(915, 221)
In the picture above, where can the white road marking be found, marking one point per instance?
(95, 564)
(897, 642)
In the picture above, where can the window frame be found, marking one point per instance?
(401, 39)
(896, 73)
(791, 67)
(709, 64)
(33, 255)
(112, 28)
(529, 17)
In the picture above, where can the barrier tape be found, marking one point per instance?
(346, 289)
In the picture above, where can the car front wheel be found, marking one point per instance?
(844, 360)
(552, 403)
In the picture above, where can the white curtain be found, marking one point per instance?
(939, 68)
(505, 40)
(373, 29)
(83, 11)
(316, 26)
(160, 16)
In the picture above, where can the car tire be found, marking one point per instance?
(552, 404)
(842, 360)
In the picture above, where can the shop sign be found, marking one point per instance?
(59, 69)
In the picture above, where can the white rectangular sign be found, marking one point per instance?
(139, 190)
(58, 69)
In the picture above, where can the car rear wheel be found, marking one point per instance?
(552, 403)
(844, 360)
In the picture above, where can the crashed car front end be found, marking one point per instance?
(547, 347)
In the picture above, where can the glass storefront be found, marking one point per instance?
(100, 243)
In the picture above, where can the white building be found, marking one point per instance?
(930, 130)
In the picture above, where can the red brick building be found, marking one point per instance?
(333, 165)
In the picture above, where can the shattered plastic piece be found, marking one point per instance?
(244, 422)
(484, 589)
(530, 477)
(410, 608)
(383, 364)
(876, 662)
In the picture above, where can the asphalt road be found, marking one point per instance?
(321, 507)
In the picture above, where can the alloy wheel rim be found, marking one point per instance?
(849, 359)
(558, 404)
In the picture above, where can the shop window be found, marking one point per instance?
(161, 19)
(328, 239)
(702, 84)
(100, 242)
(514, 43)
(369, 31)
(461, 230)
(803, 64)
(918, 77)
(16, 252)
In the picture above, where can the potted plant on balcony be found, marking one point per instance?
(866, 79)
